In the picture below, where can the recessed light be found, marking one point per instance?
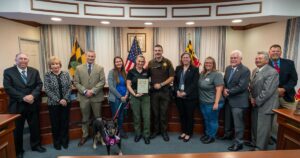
(56, 19)
(105, 22)
(148, 23)
(190, 23)
(237, 21)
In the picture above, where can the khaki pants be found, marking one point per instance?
(86, 106)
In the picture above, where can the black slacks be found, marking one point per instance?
(186, 110)
(32, 117)
(59, 117)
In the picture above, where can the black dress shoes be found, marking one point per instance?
(147, 140)
(204, 137)
(165, 137)
(235, 147)
(208, 140)
(137, 138)
(39, 149)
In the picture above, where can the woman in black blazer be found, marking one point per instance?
(185, 86)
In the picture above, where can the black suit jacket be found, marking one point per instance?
(17, 89)
(287, 78)
(238, 86)
(190, 81)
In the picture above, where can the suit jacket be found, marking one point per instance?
(190, 81)
(263, 89)
(287, 78)
(94, 81)
(17, 89)
(52, 87)
(238, 86)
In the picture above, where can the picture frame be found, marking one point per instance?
(141, 38)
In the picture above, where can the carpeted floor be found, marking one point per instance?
(129, 147)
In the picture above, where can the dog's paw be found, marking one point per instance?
(94, 146)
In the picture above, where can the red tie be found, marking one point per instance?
(276, 67)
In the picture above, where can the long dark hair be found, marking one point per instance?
(117, 72)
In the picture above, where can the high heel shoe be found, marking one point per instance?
(181, 136)
(185, 139)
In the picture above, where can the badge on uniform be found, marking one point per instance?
(207, 79)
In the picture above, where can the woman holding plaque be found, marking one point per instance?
(138, 86)
(58, 87)
(210, 87)
(186, 77)
(118, 93)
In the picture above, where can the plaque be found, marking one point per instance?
(142, 86)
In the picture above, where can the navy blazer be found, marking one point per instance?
(16, 89)
(238, 86)
(190, 81)
(287, 78)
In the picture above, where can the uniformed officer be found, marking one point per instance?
(162, 74)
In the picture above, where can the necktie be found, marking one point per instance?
(256, 72)
(231, 74)
(276, 67)
(90, 69)
(24, 77)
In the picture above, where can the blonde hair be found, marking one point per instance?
(54, 59)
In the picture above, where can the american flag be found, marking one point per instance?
(135, 50)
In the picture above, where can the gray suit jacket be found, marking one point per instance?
(238, 86)
(112, 84)
(263, 89)
(94, 81)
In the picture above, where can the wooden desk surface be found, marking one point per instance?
(288, 113)
(5, 118)
(249, 154)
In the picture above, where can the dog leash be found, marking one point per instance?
(117, 112)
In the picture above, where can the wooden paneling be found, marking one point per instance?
(100, 10)
(173, 126)
(7, 144)
(289, 129)
(148, 12)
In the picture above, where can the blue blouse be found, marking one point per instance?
(121, 87)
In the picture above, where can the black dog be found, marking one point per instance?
(106, 132)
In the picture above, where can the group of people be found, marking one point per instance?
(270, 85)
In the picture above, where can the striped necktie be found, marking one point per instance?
(90, 68)
(24, 76)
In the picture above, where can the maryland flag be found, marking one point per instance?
(194, 58)
(77, 57)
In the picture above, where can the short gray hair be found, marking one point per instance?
(238, 52)
(265, 54)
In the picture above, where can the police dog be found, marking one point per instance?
(106, 132)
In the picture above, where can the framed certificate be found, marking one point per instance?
(142, 86)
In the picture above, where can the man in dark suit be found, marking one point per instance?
(287, 81)
(264, 98)
(287, 77)
(23, 86)
(236, 79)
